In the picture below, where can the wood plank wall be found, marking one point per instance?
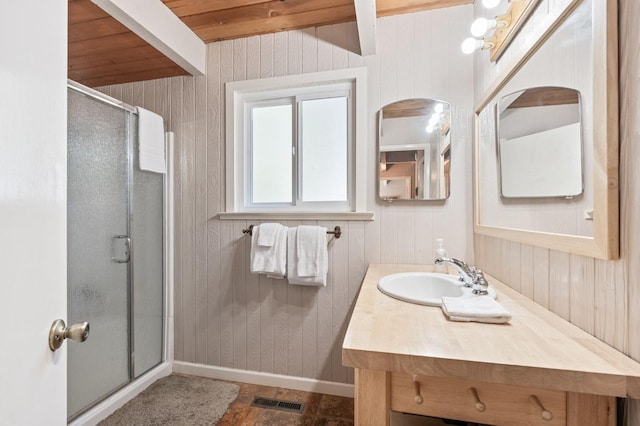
(601, 297)
(630, 173)
(225, 316)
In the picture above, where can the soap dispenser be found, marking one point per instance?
(440, 252)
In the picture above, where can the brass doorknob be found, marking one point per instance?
(59, 331)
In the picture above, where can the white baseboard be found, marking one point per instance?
(112, 403)
(265, 379)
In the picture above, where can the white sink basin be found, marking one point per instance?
(424, 288)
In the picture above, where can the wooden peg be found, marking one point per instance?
(416, 387)
(546, 415)
(479, 404)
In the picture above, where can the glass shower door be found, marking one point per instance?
(147, 231)
(97, 263)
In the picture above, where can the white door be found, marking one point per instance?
(33, 162)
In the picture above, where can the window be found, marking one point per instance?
(298, 151)
(297, 143)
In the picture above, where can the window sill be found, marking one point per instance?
(346, 216)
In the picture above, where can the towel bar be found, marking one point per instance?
(337, 232)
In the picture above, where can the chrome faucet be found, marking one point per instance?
(466, 274)
(480, 284)
(469, 275)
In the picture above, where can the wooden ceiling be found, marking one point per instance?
(102, 51)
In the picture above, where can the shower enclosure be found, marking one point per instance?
(115, 250)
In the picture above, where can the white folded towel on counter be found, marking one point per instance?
(475, 308)
(269, 260)
(310, 242)
(320, 279)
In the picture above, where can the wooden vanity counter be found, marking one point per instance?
(487, 373)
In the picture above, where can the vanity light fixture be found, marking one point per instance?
(438, 109)
(490, 4)
(482, 26)
(470, 45)
(501, 29)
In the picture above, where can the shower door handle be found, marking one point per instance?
(121, 249)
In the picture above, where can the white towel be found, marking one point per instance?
(151, 141)
(267, 233)
(311, 240)
(292, 259)
(270, 260)
(475, 308)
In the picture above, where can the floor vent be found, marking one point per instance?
(276, 404)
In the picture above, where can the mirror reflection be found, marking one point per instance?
(414, 150)
(555, 63)
(539, 143)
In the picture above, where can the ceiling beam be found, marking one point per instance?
(366, 22)
(155, 23)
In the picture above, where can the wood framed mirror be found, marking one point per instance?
(575, 46)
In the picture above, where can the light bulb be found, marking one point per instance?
(469, 45)
(481, 26)
(439, 108)
(434, 119)
(429, 128)
(490, 4)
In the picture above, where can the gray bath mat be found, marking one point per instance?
(176, 400)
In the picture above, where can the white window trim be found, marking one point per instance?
(240, 91)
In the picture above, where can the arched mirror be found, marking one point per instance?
(414, 150)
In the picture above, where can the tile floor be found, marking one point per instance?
(319, 409)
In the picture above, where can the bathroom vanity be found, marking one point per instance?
(536, 370)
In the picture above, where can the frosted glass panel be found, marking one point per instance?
(272, 157)
(97, 285)
(147, 237)
(324, 149)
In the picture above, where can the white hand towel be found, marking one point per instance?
(309, 243)
(270, 260)
(475, 308)
(151, 141)
(292, 259)
(267, 233)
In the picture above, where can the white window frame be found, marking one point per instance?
(242, 93)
